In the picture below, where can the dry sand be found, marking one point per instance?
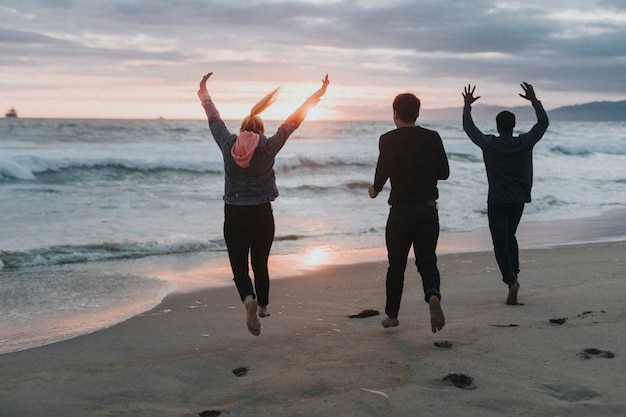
(312, 360)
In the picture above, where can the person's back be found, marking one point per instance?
(508, 159)
(249, 189)
(413, 159)
(509, 165)
(416, 160)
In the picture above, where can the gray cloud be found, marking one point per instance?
(564, 46)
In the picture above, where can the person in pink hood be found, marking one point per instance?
(249, 189)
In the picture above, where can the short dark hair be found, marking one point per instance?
(505, 122)
(407, 107)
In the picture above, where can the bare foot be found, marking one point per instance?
(512, 297)
(390, 323)
(263, 311)
(437, 320)
(251, 318)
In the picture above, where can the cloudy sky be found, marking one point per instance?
(144, 59)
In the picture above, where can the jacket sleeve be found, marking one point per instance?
(276, 142)
(300, 114)
(383, 166)
(470, 127)
(538, 130)
(216, 124)
(443, 167)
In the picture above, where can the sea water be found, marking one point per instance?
(79, 196)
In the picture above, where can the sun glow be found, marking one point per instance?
(317, 256)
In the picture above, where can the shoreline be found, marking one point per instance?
(195, 272)
(312, 360)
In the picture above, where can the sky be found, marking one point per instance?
(144, 59)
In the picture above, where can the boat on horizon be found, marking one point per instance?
(11, 113)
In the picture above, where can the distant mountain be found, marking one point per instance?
(600, 111)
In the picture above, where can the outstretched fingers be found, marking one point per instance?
(468, 94)
(529, 91)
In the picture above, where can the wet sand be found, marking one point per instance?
(560, 353)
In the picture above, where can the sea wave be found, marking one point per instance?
(106, 251)
(322, 162)
(570, 151)
(28, 168)
(609, 148)
(464, 157)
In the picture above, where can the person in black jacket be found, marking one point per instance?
(413, 159)
(509, 165)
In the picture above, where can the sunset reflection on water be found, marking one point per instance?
(319, 255)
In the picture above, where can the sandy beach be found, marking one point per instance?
(192, 354)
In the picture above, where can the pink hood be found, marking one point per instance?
(244, 147)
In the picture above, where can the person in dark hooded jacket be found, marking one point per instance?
(509, 165)
(249, 189)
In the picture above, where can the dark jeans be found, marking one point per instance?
(503, 222)
(417, 225)
(250, 230)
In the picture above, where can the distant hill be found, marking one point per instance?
(599, 111)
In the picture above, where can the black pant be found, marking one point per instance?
(417, 225)
(250, 230)
(503, 222)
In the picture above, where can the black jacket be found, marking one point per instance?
(508, 160)
(413, 158)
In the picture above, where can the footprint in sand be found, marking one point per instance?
(582, 315)
(443, 345)
(240, 371)
(364, 314)
(570, 392)
(460, 381)
(596, 353)
(209, 413)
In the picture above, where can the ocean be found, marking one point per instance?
(88, 206)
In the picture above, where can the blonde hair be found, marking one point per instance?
(253, 122)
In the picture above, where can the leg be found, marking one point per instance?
(262, 229)
(236, 236)
(499, 228)
(237, 243)
(425, 246)
(426, 236)
(515, 215)
(398, 243)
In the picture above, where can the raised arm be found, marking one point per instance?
(537, 131)
(203, 93)
(529, 92)
(209, 107)
(300, 114)
(468, 123)
(218, 127)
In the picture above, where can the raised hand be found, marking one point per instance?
(204, 80)
(324, 86)
(468, 94)
(529, 92)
